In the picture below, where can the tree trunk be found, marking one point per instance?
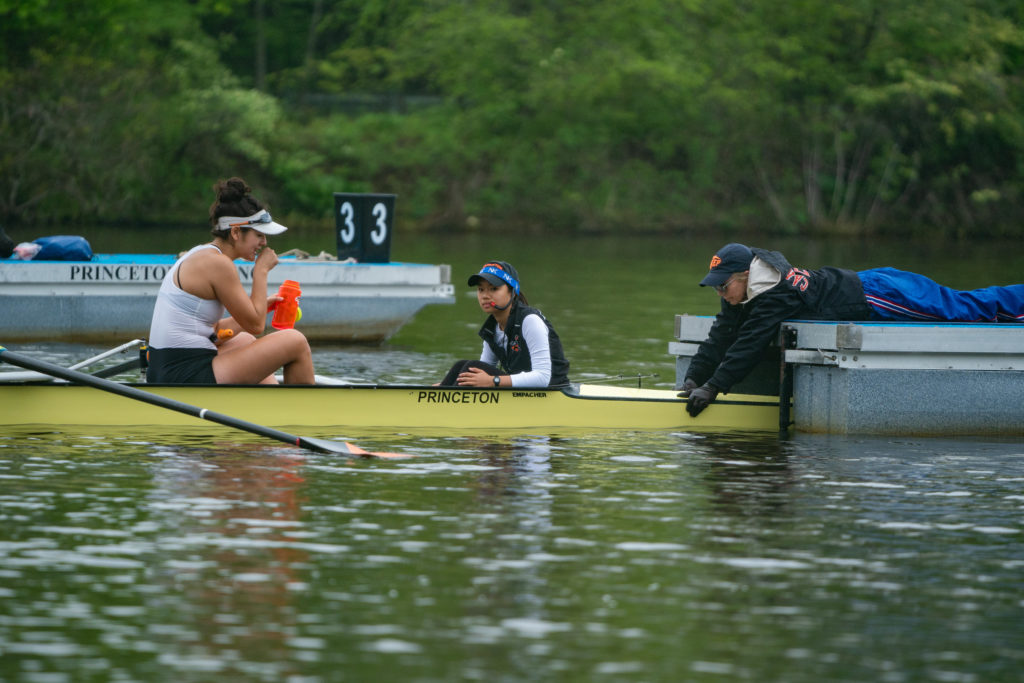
(261, 46)
(309, 66)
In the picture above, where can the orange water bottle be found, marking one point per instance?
(286, 312)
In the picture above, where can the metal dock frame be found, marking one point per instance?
(943, 379)
(908, 378)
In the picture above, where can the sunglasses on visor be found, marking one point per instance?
(262, 218)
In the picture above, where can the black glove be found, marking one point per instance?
(701, 398)
(688, 386)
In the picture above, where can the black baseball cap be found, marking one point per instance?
(732, 258)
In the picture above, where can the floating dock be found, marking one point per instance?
(885, 378)
(110, 298)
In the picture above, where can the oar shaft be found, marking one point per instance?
(154, 399)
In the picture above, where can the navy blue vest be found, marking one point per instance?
(515, 357)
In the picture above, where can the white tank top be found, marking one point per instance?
(182, 320)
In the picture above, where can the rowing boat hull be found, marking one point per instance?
(419, 408)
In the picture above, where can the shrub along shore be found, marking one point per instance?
(799, 118)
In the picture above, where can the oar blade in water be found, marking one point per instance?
(345, 448)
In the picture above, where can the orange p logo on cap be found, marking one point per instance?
(715, 260)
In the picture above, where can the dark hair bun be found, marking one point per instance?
(234, 198)
(231, 190)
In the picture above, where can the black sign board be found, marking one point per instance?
(363, 225)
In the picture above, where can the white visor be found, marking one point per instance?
(260, 221)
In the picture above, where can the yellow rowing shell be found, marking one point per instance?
(420, 408)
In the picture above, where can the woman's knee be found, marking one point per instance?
(295, 341)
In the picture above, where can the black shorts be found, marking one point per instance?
(181, 366)
(460, 366)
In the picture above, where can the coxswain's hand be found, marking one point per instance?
(688, 386)
(475, 377)
(701, 398)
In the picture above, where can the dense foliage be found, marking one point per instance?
(860, 117)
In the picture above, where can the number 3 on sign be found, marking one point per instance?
(348, 233)
(380, 212)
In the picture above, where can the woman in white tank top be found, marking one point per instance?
(184, 342)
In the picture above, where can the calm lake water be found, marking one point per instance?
(208, 554)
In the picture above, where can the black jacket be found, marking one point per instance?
(515, 357)
(742, 332)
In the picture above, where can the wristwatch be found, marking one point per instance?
(497, 380)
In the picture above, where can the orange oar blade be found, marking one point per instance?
(356, 450)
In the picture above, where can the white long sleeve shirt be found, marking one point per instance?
(535, 332)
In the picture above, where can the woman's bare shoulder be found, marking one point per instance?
(213, 258)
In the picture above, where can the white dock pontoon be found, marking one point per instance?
(111, 297)
(886, 378)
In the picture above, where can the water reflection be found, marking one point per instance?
(520, 467)
(234, 559)
(747, 475)
(615, 556)
(507, 553)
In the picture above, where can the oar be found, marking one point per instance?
(318, 445)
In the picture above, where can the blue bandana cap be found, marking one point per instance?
(497, 273)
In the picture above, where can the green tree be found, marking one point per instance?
(120, 112)
(868, 114)
(804, 117)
